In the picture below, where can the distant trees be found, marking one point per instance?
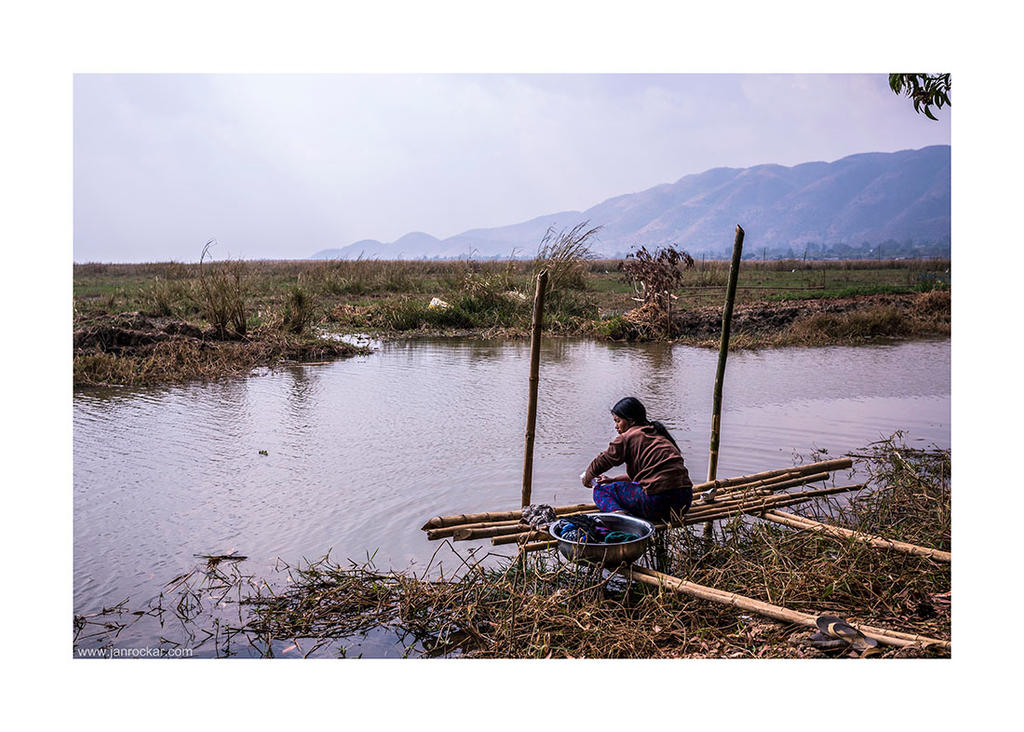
(926, 91)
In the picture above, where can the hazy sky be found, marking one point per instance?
(283, 166)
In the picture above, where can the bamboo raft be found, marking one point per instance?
(758, 495)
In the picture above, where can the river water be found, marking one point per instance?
(360, 452)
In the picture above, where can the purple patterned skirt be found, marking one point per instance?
(631, 498)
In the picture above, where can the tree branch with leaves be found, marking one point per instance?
(926, 91)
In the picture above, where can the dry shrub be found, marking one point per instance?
(298, 311)
(345, 313)
(646, 321)
(103, 368)
(654, 276)
(934, 303)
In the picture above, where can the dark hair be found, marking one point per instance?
(634, 410)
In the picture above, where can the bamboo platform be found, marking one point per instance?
(758, 495)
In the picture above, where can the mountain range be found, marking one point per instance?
(847, 206)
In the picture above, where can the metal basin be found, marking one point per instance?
(606, 554)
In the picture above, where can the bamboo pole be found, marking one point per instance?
(446, 531)
(790, 499)
(467, 518)
(776, 612)
(462, 534)
(723, 352)
(777, 485)
(764, 487)
(703, 592)
(531, 417)
(863, 627)
(799, 522)
(738, 497)
(823, 466)
(520, 538)
(912, 637)
(755, 483)
(761, 503)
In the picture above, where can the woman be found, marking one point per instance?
(656, 481)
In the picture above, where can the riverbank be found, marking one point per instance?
(152, 323)
(542, 608)
(805, 322)
(131, 349)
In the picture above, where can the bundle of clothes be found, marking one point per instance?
(580, 528)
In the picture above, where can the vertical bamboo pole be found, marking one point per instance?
(531, 415)
(723, 352)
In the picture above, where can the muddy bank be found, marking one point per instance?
(138, 348)
(133, 349)
(818, 322)
(131, 333)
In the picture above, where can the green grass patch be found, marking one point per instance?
(842, 292)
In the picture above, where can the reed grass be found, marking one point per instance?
(223, 293)
(298, 313)
(565, 256)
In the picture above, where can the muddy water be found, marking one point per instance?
(360, 452)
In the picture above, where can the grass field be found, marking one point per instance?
(186, 320)
(171, 288)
